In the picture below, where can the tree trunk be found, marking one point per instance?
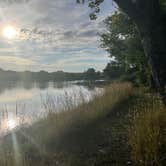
(149, 19)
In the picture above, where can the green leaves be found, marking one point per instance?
(123, 42)
(94, 5)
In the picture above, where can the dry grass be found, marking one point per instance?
(34, 145)
(39, 144)
(55, 124)
(147, 136)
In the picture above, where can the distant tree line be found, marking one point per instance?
(42, 76)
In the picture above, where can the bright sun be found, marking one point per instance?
(9, 32)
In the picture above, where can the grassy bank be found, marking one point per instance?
(147, 135)
(123, 126)
(46, 142)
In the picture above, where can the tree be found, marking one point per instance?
(114, 70)
(122, 41)
(90, 74)
(150, 19)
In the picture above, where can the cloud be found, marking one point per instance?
(15, 60)
(52, 31)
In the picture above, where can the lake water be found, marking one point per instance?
(25, 102)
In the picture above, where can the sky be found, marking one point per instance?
(51, 35)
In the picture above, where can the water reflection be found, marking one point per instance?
(9, 85)
(25, 102)
(11, 123)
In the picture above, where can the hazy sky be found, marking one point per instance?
(51, 35)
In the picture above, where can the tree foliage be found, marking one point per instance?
(91, 74)
(122, 41)
(150, 18)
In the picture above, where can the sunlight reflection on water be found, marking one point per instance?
(22, 105)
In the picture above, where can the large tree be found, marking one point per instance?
(122, 41)
(150, 19)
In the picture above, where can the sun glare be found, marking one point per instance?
(9, 32)
(11, 124)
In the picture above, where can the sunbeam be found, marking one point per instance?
(17, 154)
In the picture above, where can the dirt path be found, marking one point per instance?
(103, 143)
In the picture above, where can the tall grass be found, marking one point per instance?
(37, 144)
(50, 104)
(12, 119)
(147, 136)
(68, 100)
(53, 125)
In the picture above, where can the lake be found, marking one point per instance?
(25, 102)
